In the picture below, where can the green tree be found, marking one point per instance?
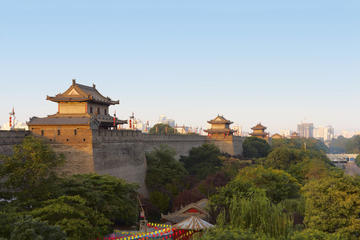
(163, 170)
(202, 161)
(28, 228)
(108, 195)
(160, 200)
(283, 158)
(163, 129)
(254, 147)
(333, 205)
(74, 217)
(164, 178)
(278, 184)
(345, 145)
(258, 214)
(311, 144)
(30, 171)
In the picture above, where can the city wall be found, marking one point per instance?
(8, 139)
(120, 153)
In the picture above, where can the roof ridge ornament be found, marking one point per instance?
(74, 81)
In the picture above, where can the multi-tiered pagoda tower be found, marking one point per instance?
(80, 108)
(259, 132)
(220, 128)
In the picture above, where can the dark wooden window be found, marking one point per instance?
(98, 110)
(58, 132)
(75, 132)
(105, 112)
(42, 132)
(91, 111)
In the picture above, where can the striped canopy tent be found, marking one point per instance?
(193, 223)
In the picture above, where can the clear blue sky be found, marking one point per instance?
(277, 62)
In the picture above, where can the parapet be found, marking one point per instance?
(12, 137)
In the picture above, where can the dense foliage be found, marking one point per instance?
(333, 205)
(30, 172)
(294, 192)
(287, 191)
(345, 145)
(41, 205)
(233, 234)
(108, 195)
(163, 178)
(28, 228)
(357, 160)
(202, 161)
(174, 183)
(304, 144)
(254, 147)
(74, 217)
(162, 129)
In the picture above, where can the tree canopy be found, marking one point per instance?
(345, 145)
(162, 129)
(108, 195)
(30, 171)
(28, 228)
(83, 206)
(202, 161)
(333, 205)
(164, 177)
(254, 147)
(74, 217)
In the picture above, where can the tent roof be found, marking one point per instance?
(193, 223)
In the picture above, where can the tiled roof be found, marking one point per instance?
(59, 121)
(259, 127)
(219, 119)
(80, 93)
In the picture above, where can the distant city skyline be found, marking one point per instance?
(278, 62)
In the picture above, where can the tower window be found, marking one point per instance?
(91, 110)
(42, 132)
(75, 132)
(58, 132)
(105, 112)
(98, 110)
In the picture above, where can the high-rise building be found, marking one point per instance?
(306, 130)
(163, 119)
(324, 133)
